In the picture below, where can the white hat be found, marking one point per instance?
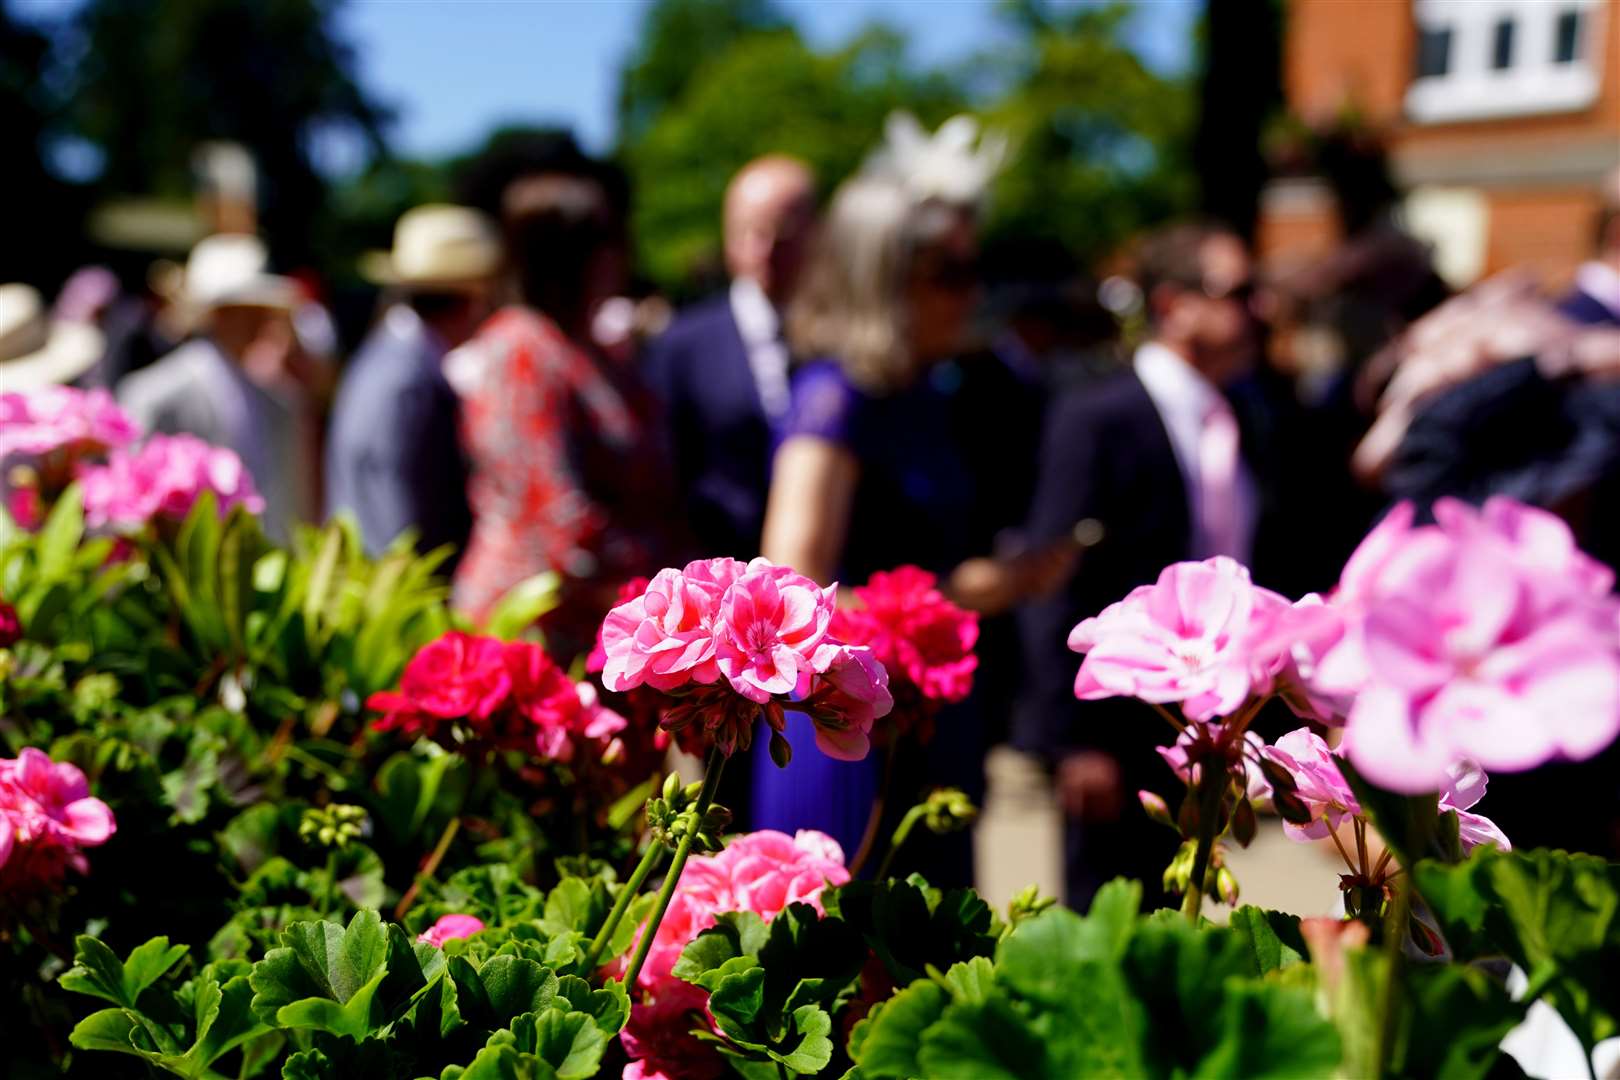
(437, 245)
(36, 351)
(232, 270)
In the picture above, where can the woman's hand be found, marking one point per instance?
(991, 586)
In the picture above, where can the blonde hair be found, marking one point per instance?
(851, 302)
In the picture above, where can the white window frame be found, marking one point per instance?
(1473, 90)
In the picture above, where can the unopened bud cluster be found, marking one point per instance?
(333, 826)
(670, 814)
(948, 810)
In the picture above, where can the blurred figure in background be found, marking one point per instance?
(229, 384)
(566, 474)
(866, 477)
(1149, 463)
(39, 348)
(393, 457)
(721, 369)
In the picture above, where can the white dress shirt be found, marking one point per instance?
(1182, 398)
(761, 332)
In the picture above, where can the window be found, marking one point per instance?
(1479, 59)
(1502, 45)
(1434, 52)
(1567, 37)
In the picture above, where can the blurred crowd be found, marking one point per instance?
(862, 395)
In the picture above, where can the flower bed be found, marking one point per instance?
(275, 811)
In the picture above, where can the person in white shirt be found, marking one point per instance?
(1148, 466)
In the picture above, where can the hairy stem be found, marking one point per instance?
(1211, 788)
(901, 831)
(683, 849)
(875, 818)
(429, 868)
(627, 895)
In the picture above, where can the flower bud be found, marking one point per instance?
(1156, 808)
(672, 787)
(1243, 822)
(1226, 887)
(948, 810)
(781, 750)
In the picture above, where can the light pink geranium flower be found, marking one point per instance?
(1188, 638)
(49, 818)
(1487, 637)
(1318, 781)
(451, 926)
(772, 631)
(164, 478)
(1465, 786)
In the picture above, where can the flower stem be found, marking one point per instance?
(1395, 930)
(627, 895)
(875, 818)
(683, 849)
(1211, 788)
(429, 868)
(901, 831)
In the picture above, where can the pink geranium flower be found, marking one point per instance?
(1486, 637)
(49, 817)
(853, 694)
(1317, 780)
(665, 637)
(451, 926)
(164, 478)
(1189, 638)
(1465, 786)
(456, 676)
(772, 630)
(61, 418)
(762, 872)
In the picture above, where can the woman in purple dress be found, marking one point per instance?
(866, 476)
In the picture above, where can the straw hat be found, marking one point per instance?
(437, 246)
(36, 351)
(232, 270)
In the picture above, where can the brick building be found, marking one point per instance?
(1501, 117)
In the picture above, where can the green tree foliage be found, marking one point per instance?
(767, 92)
(678, 38)
(157, 77)
(1100, 143)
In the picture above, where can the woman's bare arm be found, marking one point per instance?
(807, 513)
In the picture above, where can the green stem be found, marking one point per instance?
(1395, 931)
(901, 831)
(683, 849)
(627, 895)
(331, 881)
(1211, 788)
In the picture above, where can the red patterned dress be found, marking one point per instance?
(566, 473)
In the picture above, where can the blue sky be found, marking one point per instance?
(454, 69)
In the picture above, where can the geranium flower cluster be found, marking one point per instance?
(761, 872)
(62, 419)
(923, 641)
(45, 435)
(1486, 638)
(163, 478)
(731, 642)
(47, 818)
(464, 688)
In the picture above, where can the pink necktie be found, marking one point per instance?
(1217, 480)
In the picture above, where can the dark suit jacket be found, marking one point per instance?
(721, 438)
(393, 456)
(1105, 454)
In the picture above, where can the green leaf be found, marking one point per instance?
(504, 987)
(60, 535)
(971, 981)
(521, 606)
(1555, 914)
(738, 997)
(1270, 1032)
(570, 1043)
(814, 1050)
(99, 973)
(1273, 937)
(351, 1017)
(609, 1006)
(893, 1035)
(225, 1018)
(985, 1041)
(734, 935)
(108, 1029)
(326, 974)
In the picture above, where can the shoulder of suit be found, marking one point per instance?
(1118, 396)
(699, 320)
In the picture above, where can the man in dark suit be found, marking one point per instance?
(1143, 469)
(722, 367)
(393, 456)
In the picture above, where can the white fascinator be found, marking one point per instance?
(954, 164)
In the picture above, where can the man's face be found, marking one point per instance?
(769, 218)
(1215, 323)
